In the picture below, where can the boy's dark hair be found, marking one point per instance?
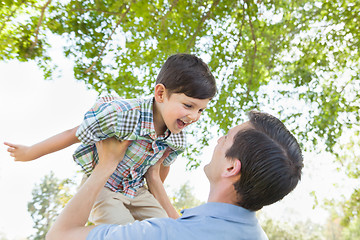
(271, 161)
(188, 74)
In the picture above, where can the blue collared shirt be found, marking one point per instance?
(209, 221)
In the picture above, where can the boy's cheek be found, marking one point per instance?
(197, 119)
(193, 122)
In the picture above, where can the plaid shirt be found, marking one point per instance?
(125, 119)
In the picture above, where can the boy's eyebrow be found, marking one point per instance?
(194, 104)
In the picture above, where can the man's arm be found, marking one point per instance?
(27, 153)
(71, 222)
(155, 176)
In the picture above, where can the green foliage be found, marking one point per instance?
(352, 208)
(3, 236)
(352, 231)
(336, 230)
(49, 197)
(298, 231)
(350, 160)
(184, 198)
(299, 59)
(333, 229)
(22, 33)
(308, 50)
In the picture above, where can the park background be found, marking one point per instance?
(299, 62)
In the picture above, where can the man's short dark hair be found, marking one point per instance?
(188, 74)
(271, 161)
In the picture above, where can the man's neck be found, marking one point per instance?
(222, 192)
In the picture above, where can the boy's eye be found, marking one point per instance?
(187, 105)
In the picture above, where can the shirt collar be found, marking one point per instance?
(147, 119)
(220, 210)
(175, 141)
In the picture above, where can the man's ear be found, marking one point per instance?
(160, 92)
(233, 168)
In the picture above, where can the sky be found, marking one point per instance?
(33, 109)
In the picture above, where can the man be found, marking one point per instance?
(256, 164)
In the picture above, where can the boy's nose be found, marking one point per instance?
(194, 116)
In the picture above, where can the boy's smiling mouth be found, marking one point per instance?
(181, 124)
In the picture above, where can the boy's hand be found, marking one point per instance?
(155, 169)
(19, 152)
(111, 151)
(155, 185)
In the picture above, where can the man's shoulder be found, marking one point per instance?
(155, 228)
(229, 217)
(196, 228)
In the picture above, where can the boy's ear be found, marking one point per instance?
(160, 92)
(233, 168)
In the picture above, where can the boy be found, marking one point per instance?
(183, 89)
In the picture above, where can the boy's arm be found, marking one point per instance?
(164, 171)
(154, 177)
(71, 222)
(27, 153)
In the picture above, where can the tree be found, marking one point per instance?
(349, 209)
(336, 229)
(3, 236)
(49, 197)
(297, 231)
(184, 198)
(299, 59)
(333, 228)
(352, 231)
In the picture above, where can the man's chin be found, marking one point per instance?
(205, 169)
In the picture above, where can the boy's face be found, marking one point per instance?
(179, 111)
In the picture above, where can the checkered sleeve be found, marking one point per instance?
(172, 157)
(108, 119)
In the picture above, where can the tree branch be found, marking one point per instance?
(255, 49)
(204, 17)
(173, 4)
(9, 16)
(237, 44)
(37, 30)
(94, 10)
(240, 33)
(108, 39)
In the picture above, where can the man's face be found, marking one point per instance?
(180, 111)
(217, 164)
